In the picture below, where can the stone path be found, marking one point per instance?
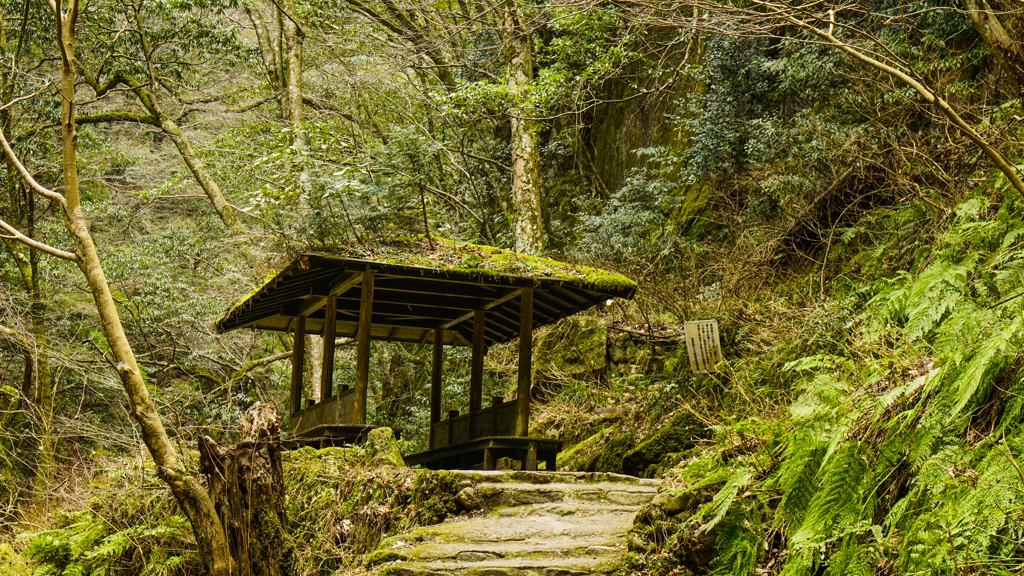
(527, 524)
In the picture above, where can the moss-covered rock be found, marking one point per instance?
(436, 493)
(681, 433)
(609, 458)
(382, 449)
(378, 557)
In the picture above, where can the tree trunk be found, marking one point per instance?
(271, 58)
(246, 485)
(1001, 25)
(192, 160)
(293, 36)
(187, 490)
(526, 183)
(37, 386)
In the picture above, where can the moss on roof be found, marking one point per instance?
(475, 259)
(462, 258)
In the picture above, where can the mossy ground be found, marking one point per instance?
(341, 503)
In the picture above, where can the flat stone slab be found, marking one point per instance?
(518, 566)
(539, 524)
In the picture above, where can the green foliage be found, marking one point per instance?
(119, 532)
(903, 449)
(341, 505)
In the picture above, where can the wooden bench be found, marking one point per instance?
(485, 453)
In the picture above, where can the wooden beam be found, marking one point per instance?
(298, 355)
(476, 373)
(508, 296)
(363, 349)
(443, 301)
(327, 366)
(416, 282)
(436, 381)
(340, 284)
(525, 363)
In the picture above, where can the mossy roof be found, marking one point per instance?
(421, 284)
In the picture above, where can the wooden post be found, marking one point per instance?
(436, 381)
(530, 463)
(525, 362)
(452, 415)
(476, 373)
(363, 349)
(496, 402)
(330, 332)
(298, 355)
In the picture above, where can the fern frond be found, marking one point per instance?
(720, 504)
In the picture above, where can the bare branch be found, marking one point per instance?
(18, 236)
(39, 188)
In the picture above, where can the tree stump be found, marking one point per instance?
(246, 485)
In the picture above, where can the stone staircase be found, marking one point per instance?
(525, 524)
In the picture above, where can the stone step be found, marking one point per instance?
(541, 477)
(581, 509)
(565, 547)
(539, 566)
(497, 528)
(527, 524)
(493, 495)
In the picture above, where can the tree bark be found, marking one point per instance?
(294, 36)
(271, 58)
(187, 490)
(246, 484)
(1001, 25)
(526, 183)
(37, 386)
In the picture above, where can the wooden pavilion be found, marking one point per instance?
(430, 291)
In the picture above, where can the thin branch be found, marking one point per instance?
(39, 188)
(18, 236)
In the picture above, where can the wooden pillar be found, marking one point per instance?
(530, 463)
(476, 373)
(330, 333)
(363, 349)
(452, 415)
(436, 381)
(298, 355)
(525, 362)
(496, 402)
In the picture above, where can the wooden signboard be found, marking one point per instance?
(702, 345)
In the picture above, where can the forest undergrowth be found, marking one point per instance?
(121, 519)
(896, 448)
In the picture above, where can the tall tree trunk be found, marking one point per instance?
(187, 490)
(275, 70)
(1001, 25)
(293, 36)
(526, 183)
(37, 386)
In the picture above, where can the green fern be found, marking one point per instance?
(723, 500)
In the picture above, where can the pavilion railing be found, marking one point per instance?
(499, 419)
(336, 410)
